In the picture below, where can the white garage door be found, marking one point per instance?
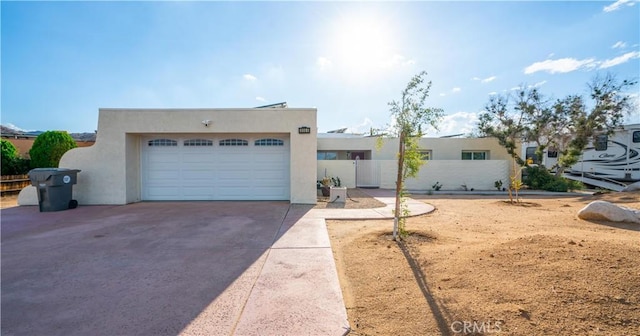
(230, 167)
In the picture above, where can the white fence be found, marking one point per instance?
(451, 174)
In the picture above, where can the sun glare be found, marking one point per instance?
(361, 44)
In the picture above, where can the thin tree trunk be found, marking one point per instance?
(397, 213)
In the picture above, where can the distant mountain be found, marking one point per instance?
(12, 130)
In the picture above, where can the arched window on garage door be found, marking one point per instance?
(162, 142)
(234, 142)
(269, 142)
(198, 142)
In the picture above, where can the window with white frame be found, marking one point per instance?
(425, 155)
(162, 142)
(269, 142)
(475, 155)
(234, 142)
(327, 155)
(198, 142)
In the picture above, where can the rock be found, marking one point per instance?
(632, 187)
(601, 210)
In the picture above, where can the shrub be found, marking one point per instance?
(12, 164)
(540, 178)
(49, 147)
(9, 156)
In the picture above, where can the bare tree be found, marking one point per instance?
(409, 115)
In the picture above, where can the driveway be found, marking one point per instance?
(169, 268)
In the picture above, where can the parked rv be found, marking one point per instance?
(610, 161)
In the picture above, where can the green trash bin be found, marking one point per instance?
(55, 187)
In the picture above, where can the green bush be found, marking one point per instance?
(49, 147)
(540, 178)
(9, 155)
(12, 164)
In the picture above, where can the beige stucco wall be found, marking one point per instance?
(441, 148)
(446, 165)
(111, 168)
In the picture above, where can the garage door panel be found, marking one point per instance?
(197, 193)
(165, 191)
(203, 172)
(163, 175)
(273, 176)
(162, 157)
(205, 156)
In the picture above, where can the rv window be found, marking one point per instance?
(552, 154)
(601, 142)
(636, 136)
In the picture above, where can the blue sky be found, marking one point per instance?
(62, 61)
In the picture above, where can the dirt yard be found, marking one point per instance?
(479, 266)
(356, 199)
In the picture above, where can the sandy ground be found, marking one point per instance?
(480, 266)
(356, 199)
(8, 201)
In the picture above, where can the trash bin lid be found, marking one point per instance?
(54, 171)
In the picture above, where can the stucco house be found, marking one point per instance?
(270, 153)
(196, 154)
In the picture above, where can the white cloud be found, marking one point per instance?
(488, 79)
(456, 89)
(484, 80)
(561, 65)
(16, 128)
(538, 84)
(616, 5)
(362, 128)
(443, 94)
(249, 77)
(493, 93)
(619, 44)
(260, 99)
(516, 88)
(398, 59)
(323, 63)
(456, 123)
(620, 59)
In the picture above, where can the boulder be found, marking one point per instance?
(602, 210)
(632, 187)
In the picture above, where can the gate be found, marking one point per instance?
(367, 173)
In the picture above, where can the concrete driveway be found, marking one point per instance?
(169, 268)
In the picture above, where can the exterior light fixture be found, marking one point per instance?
(304, 130)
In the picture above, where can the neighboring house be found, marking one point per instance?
(455, 163)
(271, 153)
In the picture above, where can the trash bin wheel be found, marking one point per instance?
(73, 204)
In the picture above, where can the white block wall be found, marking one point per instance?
(452, 174)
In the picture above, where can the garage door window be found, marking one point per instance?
(198, 142)
(234, 142)
(162, 142)
(269, 142)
